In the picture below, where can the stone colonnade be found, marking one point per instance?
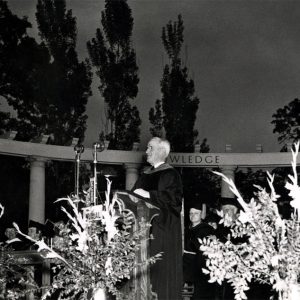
(37, 185)
(37, 190)
(39, 153)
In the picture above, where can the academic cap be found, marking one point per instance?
(36, 225)
(47, 229)
(197, 205)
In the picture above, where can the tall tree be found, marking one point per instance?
(22, 62)
(67, 89)
(174, 117)
(287, 122)
(68, 81)
(45, 84)
(112, 54)
(176, 112)
(4, 120)
(156, 119)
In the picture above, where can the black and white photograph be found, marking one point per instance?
(149, 150)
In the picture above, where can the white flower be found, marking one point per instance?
(245, 217)
(280, 285)
(108, 266)
(271, 249)
(274, 260)
(1, 210)
(279, 223)
(99, 294)
(296, 202)
(293, 187)
(82, 239)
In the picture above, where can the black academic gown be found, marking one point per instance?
(165, 189)
(194, 260)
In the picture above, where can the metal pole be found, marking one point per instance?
(78, 150)
(95, 175)
(98, 146)
(77, 174)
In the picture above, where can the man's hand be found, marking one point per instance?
(142, 193)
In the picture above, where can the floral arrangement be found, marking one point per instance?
(13, 275)
(270, 252)
(91, 254)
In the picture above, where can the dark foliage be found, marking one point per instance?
(48, 88)
(68, 80)
(287, 122)
(174, 114)
(14, 192)
(115, 60)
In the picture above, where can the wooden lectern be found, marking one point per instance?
(139, 288)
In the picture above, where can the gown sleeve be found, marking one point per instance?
(168, 195)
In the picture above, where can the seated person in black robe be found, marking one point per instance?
(257, 291)
(161, 186)
(193, 258)
(230, 208)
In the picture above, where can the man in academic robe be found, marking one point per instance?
(231, 209)
(193, 259)
(161, 186)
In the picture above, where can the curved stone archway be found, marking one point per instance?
(40, 153)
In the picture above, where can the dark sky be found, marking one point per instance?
(243, 57)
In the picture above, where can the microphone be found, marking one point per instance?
(79, 149)
(99, 146)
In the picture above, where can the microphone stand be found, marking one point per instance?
(79, 149)
(98, 146)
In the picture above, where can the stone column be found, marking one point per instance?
(132, 174)
(228, 171)
(37, 190)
